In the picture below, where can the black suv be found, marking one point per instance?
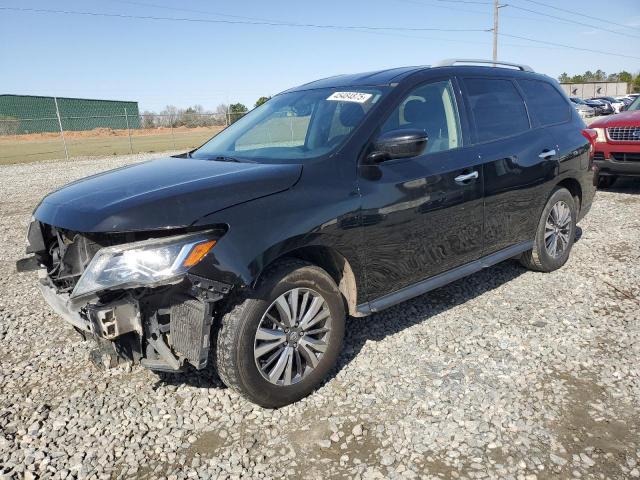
(341, 197)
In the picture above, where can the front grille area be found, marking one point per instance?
(598, 156)
(624, 134)
(626, 156)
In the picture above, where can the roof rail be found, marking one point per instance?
(452, 61)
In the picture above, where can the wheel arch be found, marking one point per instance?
(575, 189)
(331, 261)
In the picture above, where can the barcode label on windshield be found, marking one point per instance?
(357, 97)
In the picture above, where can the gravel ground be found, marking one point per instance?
(505, 374)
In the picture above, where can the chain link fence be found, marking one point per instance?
(58, 136)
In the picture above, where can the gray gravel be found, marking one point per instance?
(506, 374)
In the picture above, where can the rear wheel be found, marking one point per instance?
(606, 181)
(555, 234)
(277, 346)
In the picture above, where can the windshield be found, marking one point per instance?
(293, 126)
(577, 100)
(635, 105)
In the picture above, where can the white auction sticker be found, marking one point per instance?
(357, 97)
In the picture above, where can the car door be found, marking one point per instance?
(422, 215)
(518, 161)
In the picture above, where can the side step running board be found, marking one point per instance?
(442, 279)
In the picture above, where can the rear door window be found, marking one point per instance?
(545, 103)
(498, 109)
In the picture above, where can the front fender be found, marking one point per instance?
(263, 230)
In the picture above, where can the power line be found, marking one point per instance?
(208, 12)
(578, 13)
(568, 46)
(421, 37)
(559, 20)
(243, 22)
(182, 9)
(597, 27)
(391, 34)
(362, 28)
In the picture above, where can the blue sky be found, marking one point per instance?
(159, 62)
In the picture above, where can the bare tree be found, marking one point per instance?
(148, 119)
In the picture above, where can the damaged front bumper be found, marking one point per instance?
(135, 295)
(161, 329)
(108, 322)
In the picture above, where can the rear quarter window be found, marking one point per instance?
(546, 105)
(498, 108)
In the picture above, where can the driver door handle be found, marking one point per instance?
(465, 177)
(547, 154)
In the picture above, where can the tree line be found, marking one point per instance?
(601, 76)
(196, 115)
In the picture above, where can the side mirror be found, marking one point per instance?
(403, 143)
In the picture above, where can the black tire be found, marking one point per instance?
(539, 258)
(237, 334)
(606, 181)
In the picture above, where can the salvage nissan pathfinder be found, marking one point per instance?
(341, 197)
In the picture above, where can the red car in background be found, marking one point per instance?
(617, 145)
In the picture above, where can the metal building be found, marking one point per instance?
(35, 114)
(596, 89)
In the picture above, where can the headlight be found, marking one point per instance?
(145, 263)
(601, 138)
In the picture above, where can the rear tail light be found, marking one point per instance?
(591, 135)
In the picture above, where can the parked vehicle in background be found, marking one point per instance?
(617, 147)
(601, 107)
(626, 100)
(616, 104)
(584, 110)
(340, 197)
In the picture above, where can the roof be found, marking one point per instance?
(394, 75)
(378, 77)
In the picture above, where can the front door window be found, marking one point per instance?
(431, 108)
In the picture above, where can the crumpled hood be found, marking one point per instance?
(158, 194)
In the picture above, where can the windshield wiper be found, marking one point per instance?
(224, 158)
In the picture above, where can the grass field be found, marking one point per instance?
(36, 147)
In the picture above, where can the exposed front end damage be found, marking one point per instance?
(132, 293)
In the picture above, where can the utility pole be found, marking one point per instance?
(496, 8)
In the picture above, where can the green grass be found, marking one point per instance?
(21, 151)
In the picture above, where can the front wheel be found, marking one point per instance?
(555, 234)
(277, 346)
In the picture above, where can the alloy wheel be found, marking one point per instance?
(292, 336)
(557, 229)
